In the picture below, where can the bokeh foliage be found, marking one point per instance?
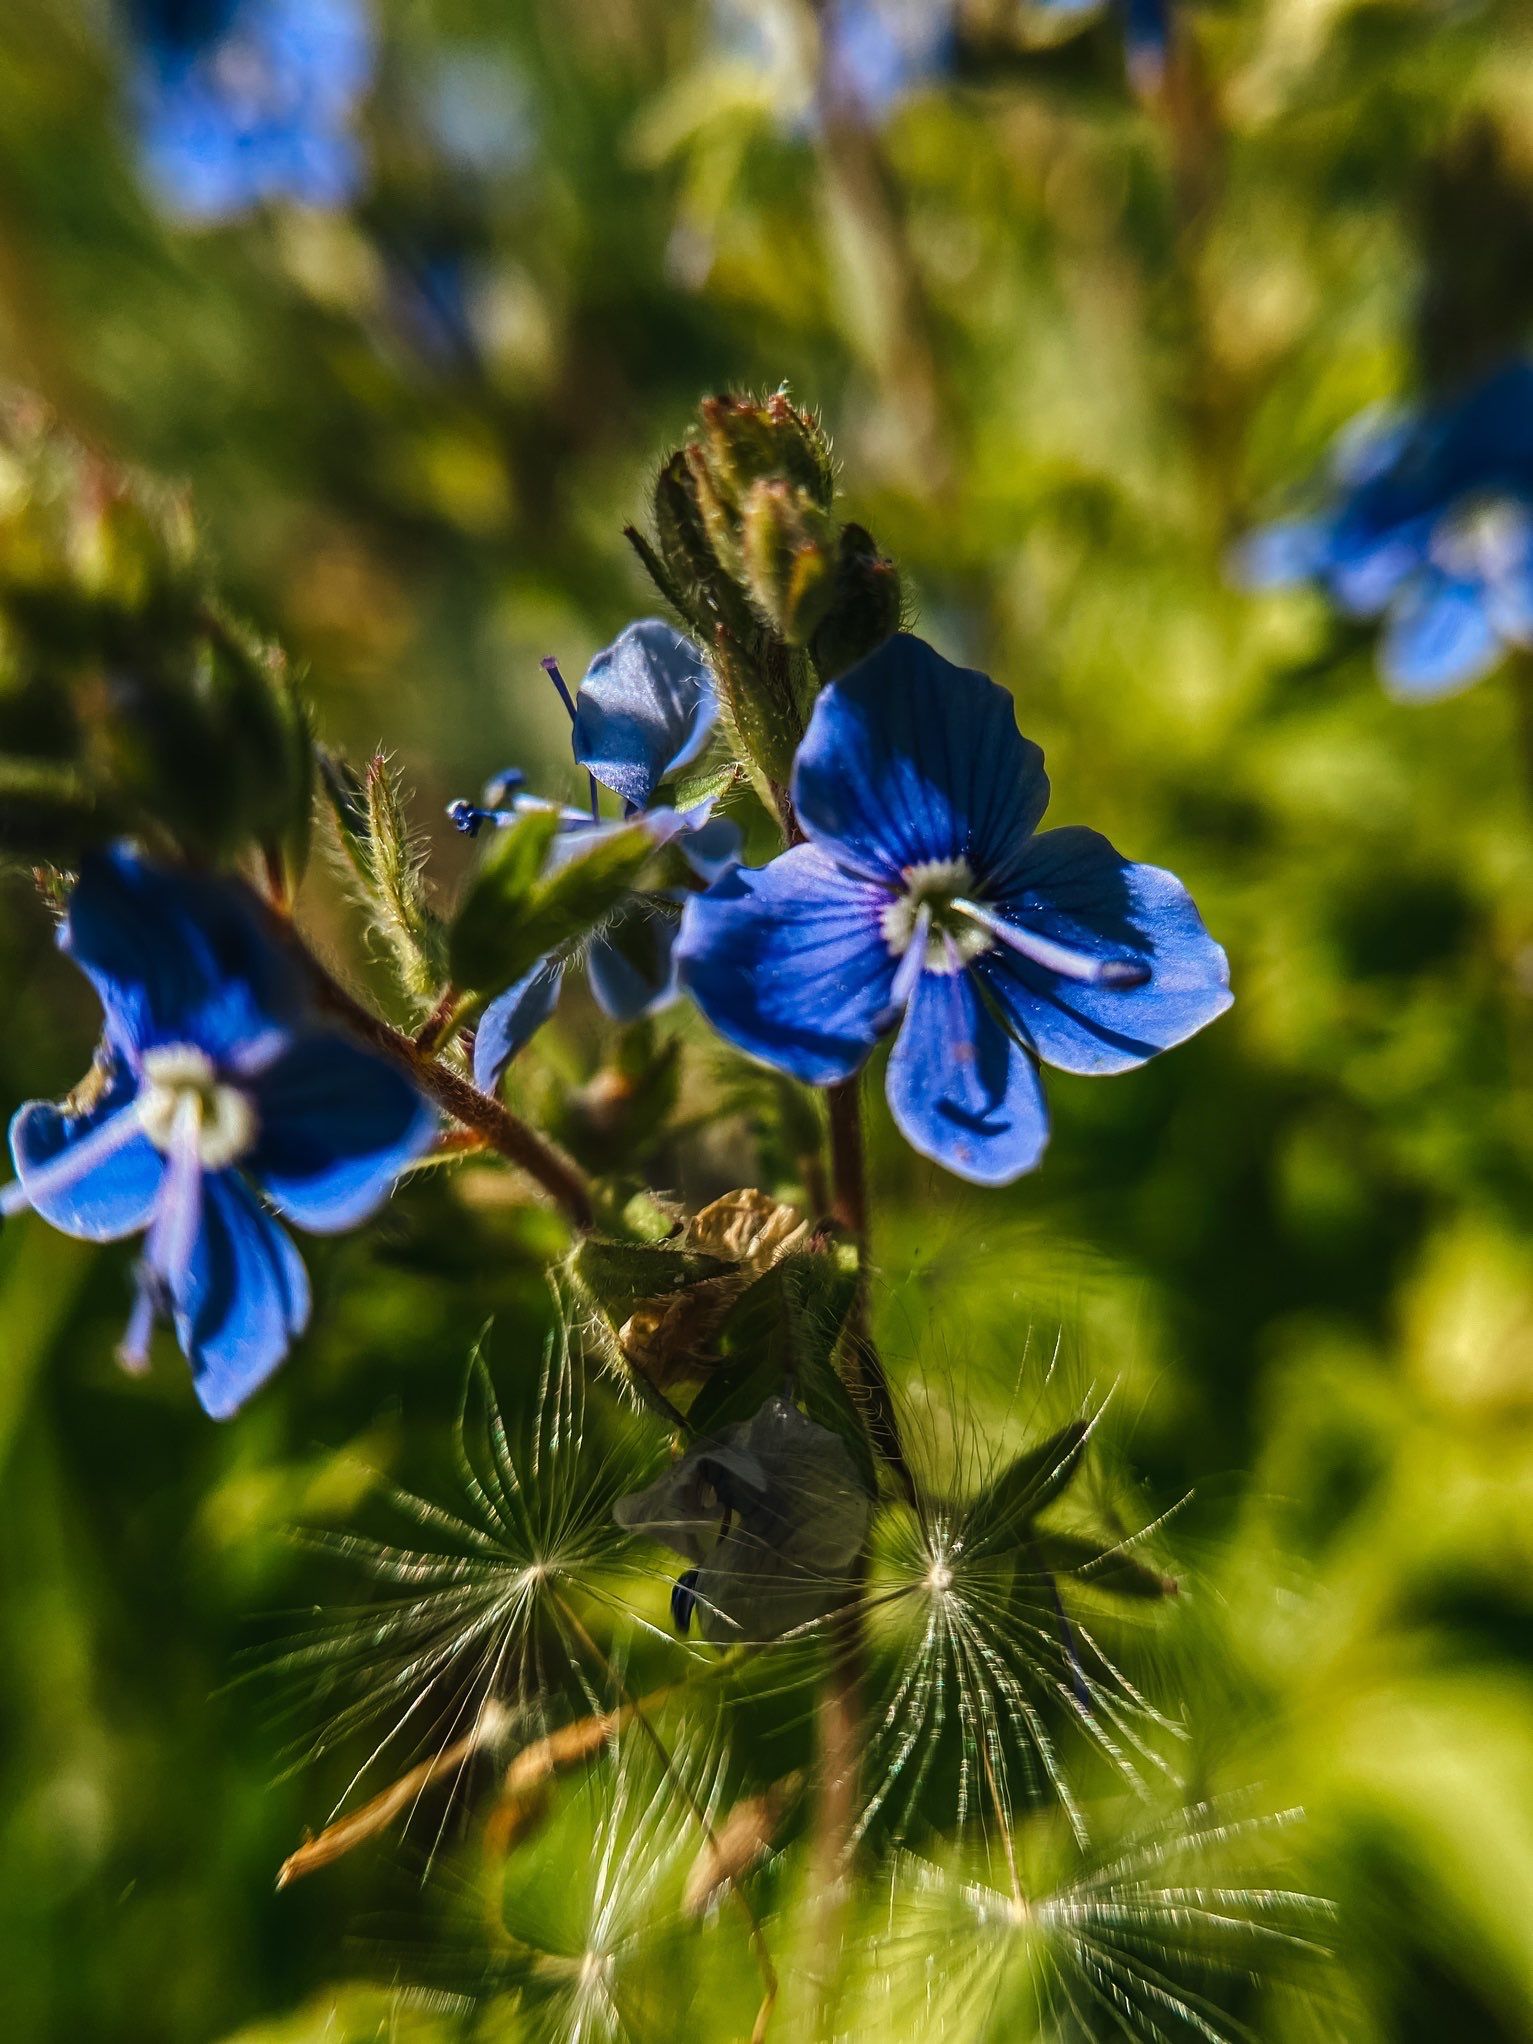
(1067, 349)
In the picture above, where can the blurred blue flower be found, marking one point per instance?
(1427, 524)
(877, 51)
(924, 898)
(644, 711)
(211, 1086)
(242, 101)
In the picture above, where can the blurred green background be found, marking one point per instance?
(1067, 347)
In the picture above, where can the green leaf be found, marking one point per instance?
(703, 783)
(1112, 1570)
(516, 912)
(52, 813)
(1006, 1508)
(786, 1329)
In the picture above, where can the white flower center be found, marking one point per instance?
(926, 903)
(181, 1087)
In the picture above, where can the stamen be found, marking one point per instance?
(1120, 974)
(149, 1303)
(72, 1163)
(550, 667)
(907, 973)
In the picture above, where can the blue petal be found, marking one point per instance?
(112, 1197)
(511, 1020)
(178, 957)
(1439, 638)
(789, 962)
(337, 1126)
(1074, 888)
(712, 846)
(632, 965)
(243, 1299)
(909, 758)
(1367, 566)
(961, 1091)
(644, 710)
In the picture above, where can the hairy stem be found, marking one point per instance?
(514, 1139)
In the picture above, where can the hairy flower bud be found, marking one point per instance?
(790, 549)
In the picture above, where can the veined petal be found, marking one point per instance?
(910, 759)
(789, 962)
(337, 1126)
(631, 965)
(961, 1091)
(177, 956)
(111, 1189)
(243, 1298)
(1440, 637)
(644, 710)
(1075, 889)
(511, 1021)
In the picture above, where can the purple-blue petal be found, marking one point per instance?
(110, 1199)
(788, 962)
(962, 1092)
(511, 1021)
(178, 957)
(242, 1300)
(908, 759)
(631, 965)
(337, 1125)
(644, 710)
(712, 846)
(1076, 890)
(1439, 638)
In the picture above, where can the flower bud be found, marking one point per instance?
(745, 443)
(863, 608)
(790, 550)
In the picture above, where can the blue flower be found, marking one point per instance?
(211, 1087)
(644, 711)
(925, 898)
(242, 101)
(1427, 524)
(877, 51)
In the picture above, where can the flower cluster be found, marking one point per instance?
(214, 1091)
(924, 899)
(242, 101)
(643, 713)
(1426, 523)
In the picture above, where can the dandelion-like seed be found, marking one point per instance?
(603, 1955)
(991, 1658)
(480, 1642)
(1165, 1937)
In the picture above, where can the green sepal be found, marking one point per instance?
(617, 1276)
(1006, 1508)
